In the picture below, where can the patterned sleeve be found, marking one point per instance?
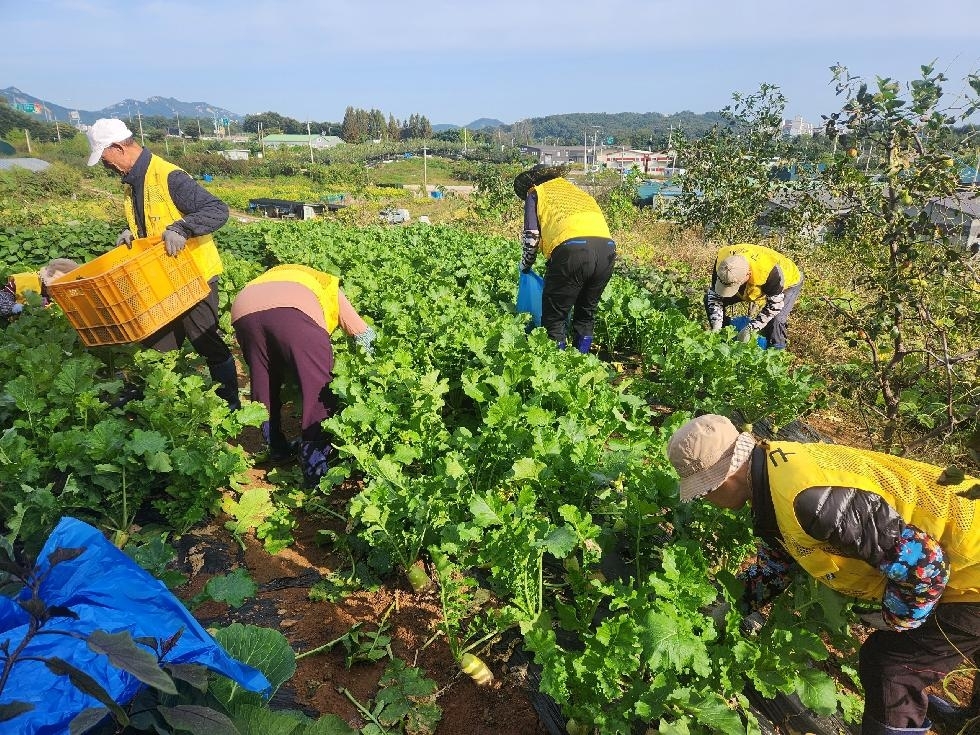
(529, 241)
(8, 299)
(765, 578)
(715, 306)
(917, 573)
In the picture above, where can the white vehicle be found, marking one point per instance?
(395, 216)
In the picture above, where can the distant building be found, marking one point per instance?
(236, 154)
(797, 126)
(958, 216)
(646, 162)
(319, 142)
(557, 154)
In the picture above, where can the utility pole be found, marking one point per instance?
(140, 120)
(198, 128)
(425, 171)
(27, 134)
(309, 139)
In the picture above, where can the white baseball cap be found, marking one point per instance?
(103, 133)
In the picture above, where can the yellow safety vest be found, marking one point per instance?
(159, 211)
(324, 286)
(565, 212)
(907, 486)
(761, 262)
(24, 282)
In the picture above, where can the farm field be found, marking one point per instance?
(496, 509)
(509, 472)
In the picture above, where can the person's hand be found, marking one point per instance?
(17, 308)
(364, 340)
(125, 238)
(174, 242)
(715, 327)
(744, 334)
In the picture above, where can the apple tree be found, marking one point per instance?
(909, 295)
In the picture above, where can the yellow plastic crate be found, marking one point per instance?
(128, 294)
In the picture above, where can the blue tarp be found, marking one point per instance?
(108, 591)
(529, 290)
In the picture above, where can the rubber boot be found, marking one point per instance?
(870, 727)
(583, 344)
(561, 344)
(314, 456)
(280, 448)
(226, 376)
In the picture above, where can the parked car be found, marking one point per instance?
(395, 216)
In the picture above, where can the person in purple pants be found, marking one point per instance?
(283, 320)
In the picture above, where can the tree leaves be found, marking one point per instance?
(124, 654)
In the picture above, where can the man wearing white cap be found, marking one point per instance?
(899, 533)
(759, 276)
(163, 201)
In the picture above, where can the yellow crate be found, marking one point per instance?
(128, 294)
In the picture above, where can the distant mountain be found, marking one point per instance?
(127, 109)
(483, 122)
(638, 129)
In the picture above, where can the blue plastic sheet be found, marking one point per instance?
(108, 591)
(530, 287)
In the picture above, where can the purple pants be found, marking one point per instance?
(277, 341)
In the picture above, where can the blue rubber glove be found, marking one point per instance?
(174, 242)
(125, 238)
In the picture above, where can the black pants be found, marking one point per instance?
(199, 325)
(577, 273)
(895, 667)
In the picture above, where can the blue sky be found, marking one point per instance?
(458, 61)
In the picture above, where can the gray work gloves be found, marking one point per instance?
(173, 242)
(125, 238)
(744, 334)
(364, 340)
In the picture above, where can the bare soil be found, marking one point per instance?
(282, 602)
